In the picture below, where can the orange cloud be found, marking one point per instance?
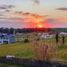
(31, 16)
(35, 19)
(62, 20)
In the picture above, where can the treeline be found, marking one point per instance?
(59, 29)
(28, 30)
(23, 30)
(7, 30)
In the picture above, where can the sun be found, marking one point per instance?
(40, 26)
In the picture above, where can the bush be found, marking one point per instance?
(26, 40)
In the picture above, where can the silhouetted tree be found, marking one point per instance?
(1, 30)
(11, 31)
(57, 38)
(6, 30)
(63, 39)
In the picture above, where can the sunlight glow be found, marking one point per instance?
(40, 26)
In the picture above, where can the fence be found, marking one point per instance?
(45, 51)
(49, 49)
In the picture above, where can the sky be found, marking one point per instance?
(33, 13)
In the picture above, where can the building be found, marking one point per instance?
(47, 35)
(63, 33)
(6, 39)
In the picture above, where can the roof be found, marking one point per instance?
(6, 35)
(64, 33)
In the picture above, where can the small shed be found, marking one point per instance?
(7, 38)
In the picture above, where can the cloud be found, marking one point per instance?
(36, 2)
(18, 12)
(59, 20)
(34, 18)
(63, 20)
(7, 10)
(29, 15)
(1, 14)
(11, 18)
(63, 8)
(52, 20)
(3, 7)
(57, 23)
(11, 24)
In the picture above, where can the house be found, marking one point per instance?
(47, 35)
(63, 33)
(7, 38)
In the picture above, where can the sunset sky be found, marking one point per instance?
(33, 13)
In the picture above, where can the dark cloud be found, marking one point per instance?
(63, 8)
(36, 2)
(23, 13)
(35, 15)
(7, 10)
(30, 14)
(27, 13)
(18, 12)
(3, 7)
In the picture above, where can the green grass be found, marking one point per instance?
(24, 50)
(61, 52)
(20, 49)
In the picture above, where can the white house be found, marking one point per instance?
(5, 38)
(63, 33)
(47, 35)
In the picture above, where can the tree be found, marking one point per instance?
(5, 30)
(1, 30)
(63, 39)
(57, 38)
(11, 30)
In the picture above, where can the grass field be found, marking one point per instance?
(24, 50)
(20, 49)
(61, 52)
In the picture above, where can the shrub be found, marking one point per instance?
(26, 40)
